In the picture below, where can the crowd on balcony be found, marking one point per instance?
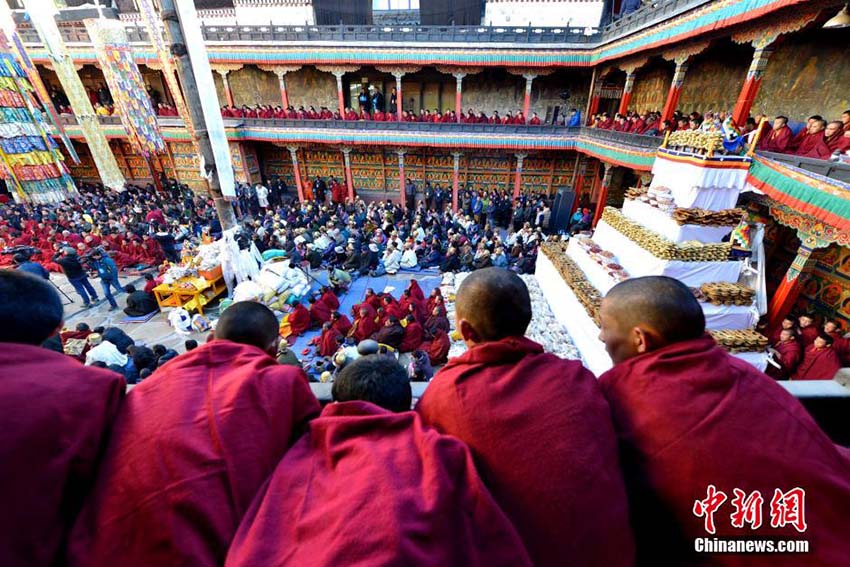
(646, 123)
(801, 348)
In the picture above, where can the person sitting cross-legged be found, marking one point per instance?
(370, 484)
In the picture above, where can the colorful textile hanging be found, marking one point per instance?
(42, 17)
(131, 100)
(31, 161)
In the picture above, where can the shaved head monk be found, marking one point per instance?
(692, 419)
(55, 417)
(370, 485)
(538, 426)
(194, 443)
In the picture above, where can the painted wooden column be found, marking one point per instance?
(349, 179)
(296, 169)
(518, 174)
(578, 180)
(228, 94)
(603, 192)
(785, 296)
(627, 92)
(339, 94)
(398, 96)
(751, 85)
(401, 177)
(526, 105)
(675, 89)
(459, 94)
(455, 179)
(592, 99)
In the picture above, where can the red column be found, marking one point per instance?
(293, 151)
(675, 90)
(594, 105)
(785, 296)
(459, 95)
(283, 96)
(751, 86)
(226, 84)
(518, 175)
(627, 93)
(603, 193)
(339, 93)
(401, 179)
(349, 179)
(526, 105)
(455, 180)
(398, 98)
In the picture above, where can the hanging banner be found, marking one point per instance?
(125, 82)
(7, 24)
(209, 99)
(42, 17)
(150, 18)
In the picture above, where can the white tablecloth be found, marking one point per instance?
(594, 273)
(572, 315)
(757, 359)
(664, 224)
(639, 262)
(697, 186)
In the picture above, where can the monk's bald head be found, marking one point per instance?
(644, 314)
(249, 323)
(494, 303)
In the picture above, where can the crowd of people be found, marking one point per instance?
(512, 457)
(803, 349)
(817, 139)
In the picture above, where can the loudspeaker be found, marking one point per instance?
(561, 209)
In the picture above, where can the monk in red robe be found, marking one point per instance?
(191, 448)
(779, 137)
(413, 335)
(55, 418)
(341, 323)
(299, 320)
(320, 313)
(786, 354)
(808, 330)
(432, 299)
(836, 138)
(364, 326)
(437, 348)
(436, 322)
(373, 299)
(840, 345)
(329, 340)
(416, 291)
(330, 299)
(814, 144)
(369, 485)
(790, 323)
(820, 361)
(392, 308)
(693, 419)
(552, 467)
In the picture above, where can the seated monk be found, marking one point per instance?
(320, 313)
(299, 320)
(437, 348)
(194, 443)
(836, 138)
(391, 334)
(778, 138)
(790, 323)
(416, 291)
(392, 307)
(373, 299)
(689, 416)
(820, 361)
(329, 340)
(364, 326)
(432, 299)
(412, 335)
(808, 330)
(436, 322)
(840, 345)
(814, 144)
(341, 323)
(552, 467)
(330, 299)
(786, 353)
(55, 418)
(370, 485)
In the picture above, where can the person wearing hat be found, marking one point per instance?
(76, 274)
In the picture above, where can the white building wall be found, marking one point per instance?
(543, 13)
(279, 12)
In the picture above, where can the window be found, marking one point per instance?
(395, 4)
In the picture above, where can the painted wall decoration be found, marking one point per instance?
(714, 78)
(826, 289)
(125, 83)
(651, 88)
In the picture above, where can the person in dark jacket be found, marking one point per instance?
(108, 272)
(391, 334)
(30, 267)
(76, 274)
(139, 303)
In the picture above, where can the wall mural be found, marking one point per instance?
(826, 289)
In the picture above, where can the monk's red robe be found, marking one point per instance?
(841, 346)
(814, 146)
(371, 312)
(412, 337)
(808, 336)
(437, 348)
(299, 319)
(542, 439)
(329, 342)
(343, 325)
(330, 299)
(789, 357)
(416, 291)
(320, 313)
(375, 301)
(690, 415)
(367, 487)
(189, 451)
(55, 418)
(818, 364)
(363, 328)
(776, 140)
(838, 142)
(436, 323)
(394, 310)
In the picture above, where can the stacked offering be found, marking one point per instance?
(675, 228)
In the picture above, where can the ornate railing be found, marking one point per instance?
(650, 13)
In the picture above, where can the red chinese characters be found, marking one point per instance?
(786, 508)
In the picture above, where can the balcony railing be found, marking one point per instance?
(623, 138)
(650, 13)
(833, 170)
